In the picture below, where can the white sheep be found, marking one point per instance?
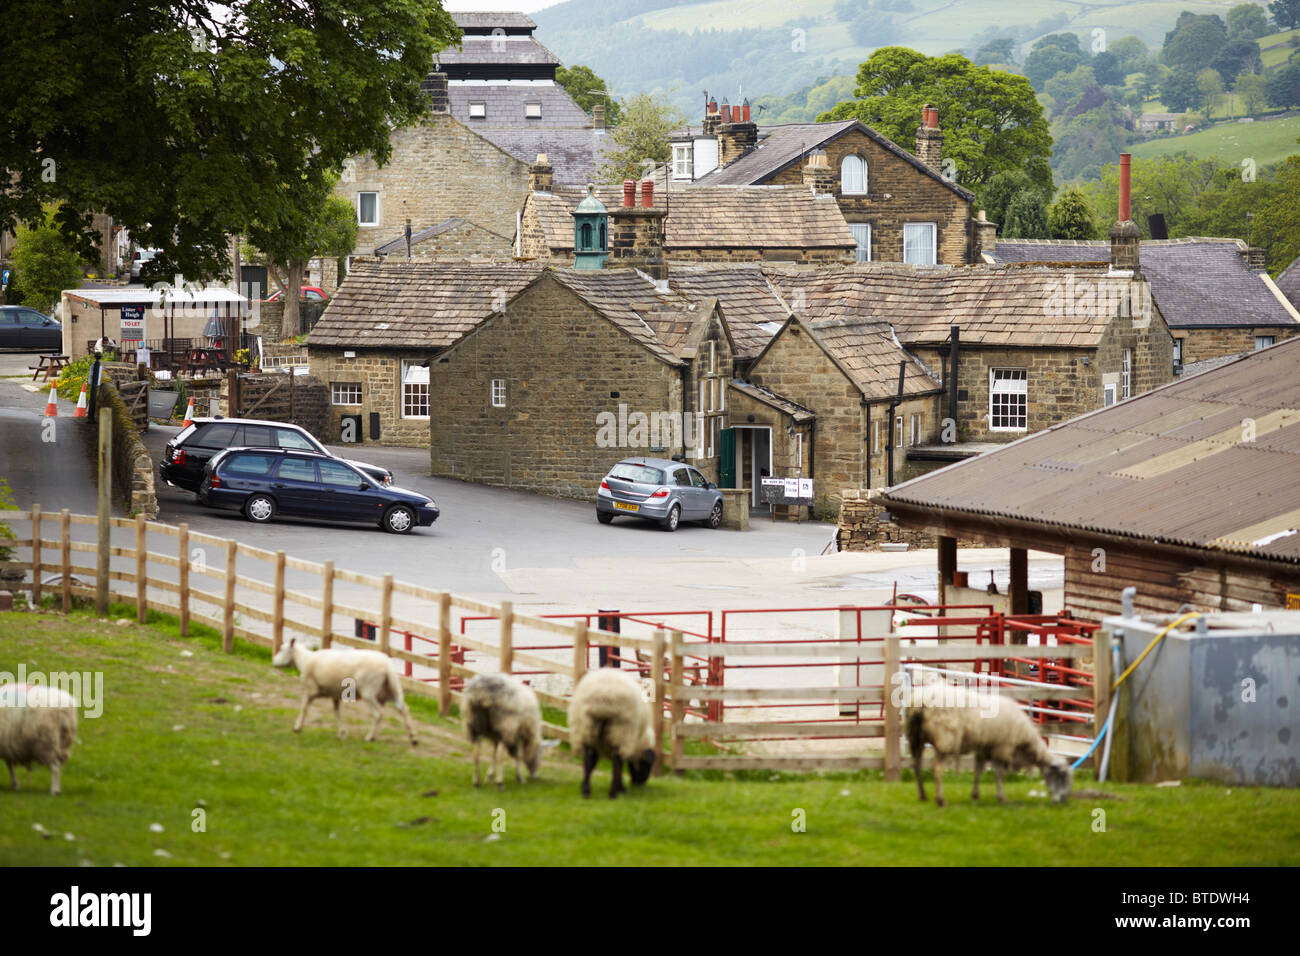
(959, 719)
(341, 674)
(608, 717)
(38, 724)
(505, 712)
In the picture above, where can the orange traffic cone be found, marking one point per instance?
(81, 403)
(52, 406)
(189, 415)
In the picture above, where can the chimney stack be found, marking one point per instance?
(818, 175)
(636, 233)
(712, 118)
(1125, 237)
(598, 116)
(986, 235)
(929, 138)
(541, 175)
(434, 86)
(736, 135)
(1256, 259)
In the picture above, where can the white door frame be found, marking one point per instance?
(753, 458)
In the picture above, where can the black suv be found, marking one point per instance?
(187, 453)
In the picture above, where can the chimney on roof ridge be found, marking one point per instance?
(541, 175)
(598, 116)
(744, 111)
(929, 138)
(737, 135)
(1125, 237)
(434, 86)
(818, 175)
(986, 235)
(636, 233)
(726, 111)
(712, 118)
(1256, 259)
(629, 193)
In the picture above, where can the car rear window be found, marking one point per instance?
(249, 463)
(185, 433)
(216, 436)
(642, 474)
(288, 438)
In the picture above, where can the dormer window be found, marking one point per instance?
(532, 111)
(477, 110)
(681, 161)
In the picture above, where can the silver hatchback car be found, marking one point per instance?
(657, 489)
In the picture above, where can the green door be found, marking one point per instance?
(727, 462)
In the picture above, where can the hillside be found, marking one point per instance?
(1264, 141)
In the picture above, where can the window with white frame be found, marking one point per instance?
(798, 450)
(498, 393)
(914, 438)
(898, 432)
(345, 393)
(1008, 399)
(681, 161)
(368, 209)
(862, 234)
(532, 111)
(477, 110)
(853, 176)
(415, 390)
(713, 357)
(875, 437)
(1263, 341)
(918, 243)
(1110, 394)
(1126, 377)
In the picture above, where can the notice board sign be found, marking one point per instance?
(786, 491)
(132, 323)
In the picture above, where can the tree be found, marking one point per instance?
(1209, 84)
(314, 222)
(45, 261)
(1277, 223)
(1236, 57)
(1070, 217)
(996, 195)
(991, 119)
(185, 121)
(1247, 21)
(1194, 41)
(1180, 91)
(588, 90)
(642, 134)
(1026, 216)
(1066, 89)
(1132, 53)
(1250, 87)
(1107, 67)
(1000, 50)
(1169, 185)
(1283, 87)
(1286, 13)
(1045, 61)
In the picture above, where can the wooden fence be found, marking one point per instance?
(246, 595)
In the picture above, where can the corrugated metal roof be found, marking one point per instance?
(1209, 462)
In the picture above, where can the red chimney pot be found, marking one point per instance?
(629, 192)
(1125, 189)
(726, 112)
(744, 109)
(647, 193)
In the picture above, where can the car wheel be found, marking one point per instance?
(604, 517)
(715, 516)
(674, 515)
(259, 509)
(399, 519)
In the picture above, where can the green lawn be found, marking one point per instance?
(185, 727)
(1266, 141)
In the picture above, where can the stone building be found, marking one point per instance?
(455, 238)
(900, 206)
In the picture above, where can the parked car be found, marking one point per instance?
(308, 293)
(185, 456)
(657, 489)
(265, 482)
(139, 258)
(29, 330)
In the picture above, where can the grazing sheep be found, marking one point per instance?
(609, 718)
(38, 724)
(957, 720)
(503, 710)
(352, 674)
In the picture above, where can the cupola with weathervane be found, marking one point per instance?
(590, 232)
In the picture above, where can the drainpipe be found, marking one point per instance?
(866, 438)
(893, 406)
(952, 371)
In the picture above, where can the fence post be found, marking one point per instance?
(36, 555)
(277, 615)
(1102, 678)
(507, 645)
(444, 654)
(679, 702)
(141, 571)
(385, 614)
(657, 667)
(183, 576)
(105, 513)
(327, 605)
(893, 737)
(580, 649)
(228, 620)
(65, 556)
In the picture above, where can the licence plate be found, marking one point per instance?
(619, 506)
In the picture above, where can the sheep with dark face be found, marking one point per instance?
(958, 720)
(608, 717)
(500, 709)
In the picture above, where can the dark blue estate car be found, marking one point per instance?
(265, 482)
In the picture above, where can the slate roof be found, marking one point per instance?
(724, 217)
(487, 19)
(1288, 283)
(398, 245)
(1196, 283)
(1131, 469)
(504, 106)
(994, 306)
(750, 306)
(574, 154)
(780, 147)
(632, 302)
(481, 50)
(768, 397)
(870, 354)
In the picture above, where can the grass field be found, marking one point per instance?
(1265, 141)
(185, 728)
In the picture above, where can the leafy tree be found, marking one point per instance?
(995, 196)
(1283, 87)
(588, 90)
(1000, 50)
(1247, 21)
(1106, 66)
(1168, 184)
(1286, 13)
(1210, 86)
(1180, 92)
(1225, 207)
(1070, 217)
(1069, 42)
(1045, 61)
(991, 119)
(1026, 216)
(1236, 57)
(1250, 87)
(1066, 89)
(1091, 134)
(45, 261)
(642, 134)
(1194, 41)
(1132, 53)
(1277, 221)
(186, 121)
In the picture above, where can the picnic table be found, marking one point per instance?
(51, 365)
(202, 360)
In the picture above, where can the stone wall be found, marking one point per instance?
(379, 373)
(133, 475)
(564, 365)
(897, 193)
(861, 527)
(1201, 344)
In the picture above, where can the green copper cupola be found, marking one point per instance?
(590, 232)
